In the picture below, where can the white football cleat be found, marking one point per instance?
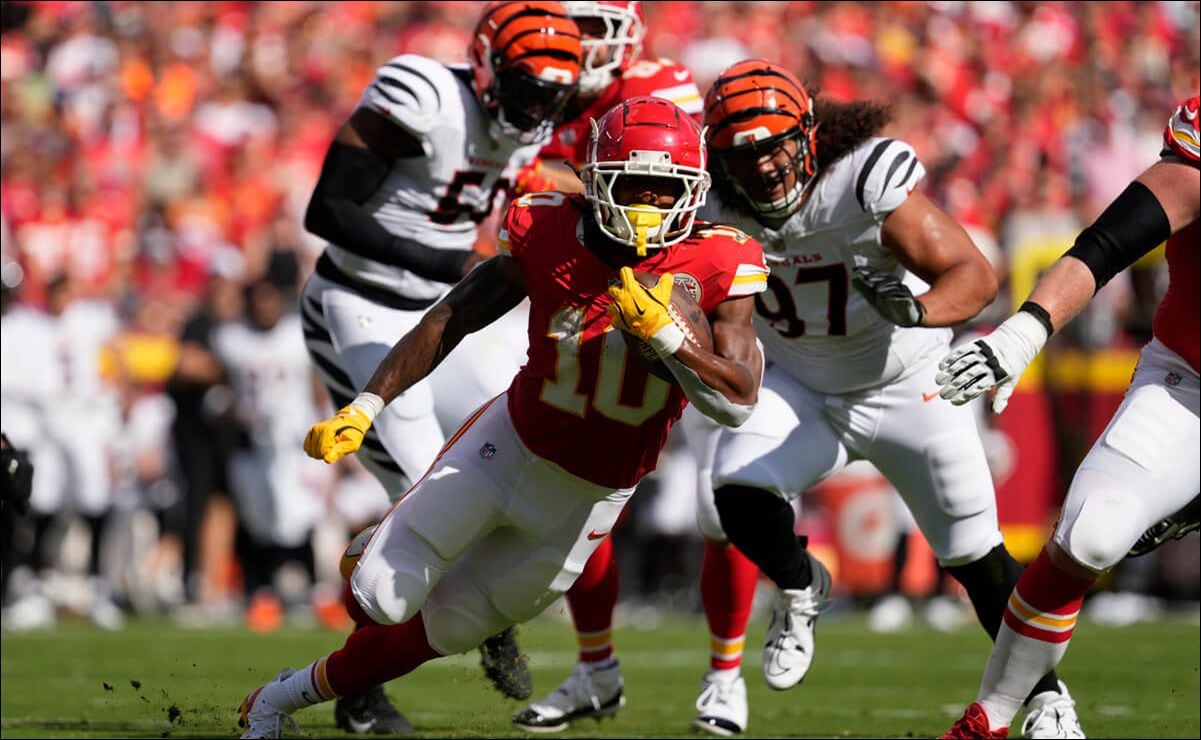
(788, 650)
(1052, 715)
(721, 707)
(585, 693)
(262, 719)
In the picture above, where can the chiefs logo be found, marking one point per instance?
(688, 283)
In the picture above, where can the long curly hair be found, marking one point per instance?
(841, 127)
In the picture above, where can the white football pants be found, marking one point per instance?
(929, 450)
(1144, 467)
(489, 537)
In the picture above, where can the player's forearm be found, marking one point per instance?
(414, 357)
(1064, 290)
(723, 388)
(959, 293)
(349, 176)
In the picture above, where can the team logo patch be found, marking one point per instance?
(1172, 379)
(690, 284)
(488, 450)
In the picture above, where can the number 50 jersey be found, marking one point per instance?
(438, 199)
(810, 320)
(582, 400)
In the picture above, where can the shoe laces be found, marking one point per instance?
(714, 692)
(1053, 717)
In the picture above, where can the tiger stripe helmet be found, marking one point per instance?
(525, 61)
(753, 108)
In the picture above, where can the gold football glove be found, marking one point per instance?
(640, 310)
(335, 438)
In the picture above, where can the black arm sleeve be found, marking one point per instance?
(349, 176)
(1132, 225)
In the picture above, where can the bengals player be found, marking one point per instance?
(867, 276)
(1145, 466)
(519, 497)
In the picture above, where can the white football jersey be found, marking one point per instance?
(440, 199)
(811, 320)
(272, 379)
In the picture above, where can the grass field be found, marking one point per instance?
(154, 680)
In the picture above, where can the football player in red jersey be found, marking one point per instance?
(1145, 466)
(503, 522)
(611, 36)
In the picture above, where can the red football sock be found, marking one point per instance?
(353, 609)
(728, 582)
(377, 653)
(592, 599)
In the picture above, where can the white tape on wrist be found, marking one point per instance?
(1027, 334)
(667, 341)
(368, 403)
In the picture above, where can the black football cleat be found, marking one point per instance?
(370, 713)
(505, 666)
(1174, 527)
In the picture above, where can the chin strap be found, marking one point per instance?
(643, 218)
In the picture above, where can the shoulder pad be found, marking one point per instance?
(1182, 136)
(884, 172)
(410, 90)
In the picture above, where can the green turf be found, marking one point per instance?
(1139, 681)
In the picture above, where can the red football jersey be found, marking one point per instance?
(582, 400)
(1176, 320)
(660, 78)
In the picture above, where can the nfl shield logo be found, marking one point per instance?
(487, 451)
(1172, 378)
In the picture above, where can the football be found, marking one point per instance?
(686, 313)
(350, 558)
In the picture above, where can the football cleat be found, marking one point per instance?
(974, 724)
(505, 666)
(1174, 527)
(370, 713)
(587, 692)
(721, 707)
(260, 718)
(1052, 714)
(788, 649)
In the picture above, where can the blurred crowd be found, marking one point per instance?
(156, 160)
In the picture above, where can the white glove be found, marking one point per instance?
(995, 361)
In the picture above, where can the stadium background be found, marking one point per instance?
(153, 151)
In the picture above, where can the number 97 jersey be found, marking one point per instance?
(582, 400)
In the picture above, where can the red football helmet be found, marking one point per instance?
(525, 61)
(613, 31)
(752, 111)
(646, 137)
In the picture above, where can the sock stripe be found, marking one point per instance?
(1049, 621)
(726, 648)
(593, 641)
(319, 678)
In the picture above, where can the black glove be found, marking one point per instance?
(888, 295)
(18, 476)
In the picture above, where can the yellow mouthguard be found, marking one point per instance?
(643, 218)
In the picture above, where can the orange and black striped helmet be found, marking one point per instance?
(525, 60)
(752, 108)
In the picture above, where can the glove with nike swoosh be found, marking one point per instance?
(335, 438)
(643, 311)
(994, 361)
(891, 297)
